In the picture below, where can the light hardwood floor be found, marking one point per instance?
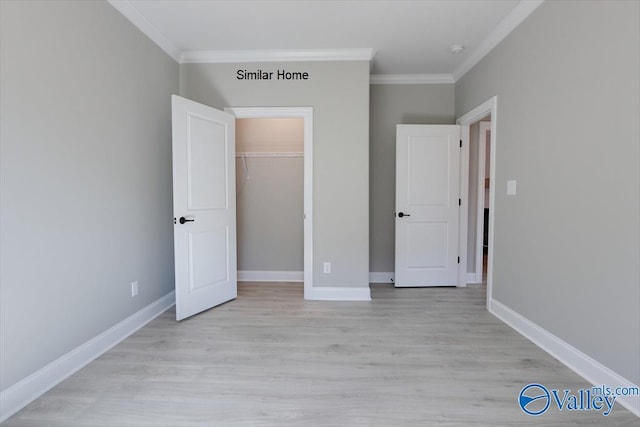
(410, 357)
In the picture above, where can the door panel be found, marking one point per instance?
(204, 198)
(427, 245)
(427, 186)
(206, 147)
(427, 193)
(208, 259)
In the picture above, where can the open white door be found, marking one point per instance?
(204, 206)
(427, 205)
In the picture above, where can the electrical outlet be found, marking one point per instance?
(134, 289)
(327, 268)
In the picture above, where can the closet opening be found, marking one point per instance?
(269, 198)
(274, 190)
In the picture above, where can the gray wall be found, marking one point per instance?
(392, 105)
(339, 95)
(567, 245)
(85, 177)
(269, 211)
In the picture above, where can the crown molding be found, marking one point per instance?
(411, 79)
(508, 24)
(502, 30)
(283, 55)
(126, 8)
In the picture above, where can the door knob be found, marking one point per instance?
(402, 214)
(183, 220)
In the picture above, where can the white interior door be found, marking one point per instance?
(427, 205)
(204, 206)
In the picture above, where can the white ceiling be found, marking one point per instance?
(407, 36)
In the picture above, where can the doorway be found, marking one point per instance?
(306, 115)
(483, 112)
(478, 214)
(269, 199)
(430, 236)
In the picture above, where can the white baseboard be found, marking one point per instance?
(270, 276)
(27, 390)
(583, 365)
(472, 279)
(298, 276)
(338, 294)
(381, 277)
(389, 277)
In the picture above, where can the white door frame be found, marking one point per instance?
(306, 113)
(484, 126)
(463, 226)
(489, 107)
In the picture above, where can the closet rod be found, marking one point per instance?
(284, 154)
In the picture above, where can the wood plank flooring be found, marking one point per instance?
(410, 357)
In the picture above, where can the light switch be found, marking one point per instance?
(511, 187)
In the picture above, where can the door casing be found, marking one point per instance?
(489, 107)
(306, 113)
(484, 126)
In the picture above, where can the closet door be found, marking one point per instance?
(204, 206)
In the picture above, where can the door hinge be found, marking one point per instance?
(458, 260)
(460, 143)
(459, 202)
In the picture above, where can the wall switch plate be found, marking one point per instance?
(134, 289)
(326, 269)
(511, 187)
